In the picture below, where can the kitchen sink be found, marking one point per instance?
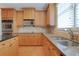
(75, 44)
(65, 42)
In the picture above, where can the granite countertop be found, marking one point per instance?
(67, 50)
(31, 30)
(7, 37)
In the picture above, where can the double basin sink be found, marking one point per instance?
(65, 42)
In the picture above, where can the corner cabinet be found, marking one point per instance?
(9, 47)
(29, 13)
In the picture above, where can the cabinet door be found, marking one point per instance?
(37, 39)
(46, 44)
(30, 39)
(33, 39)
(29, 13)
(24, 39)
(19, 16)
(21, 40)
(76, 37)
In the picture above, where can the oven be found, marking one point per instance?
(7, 29)
(7, 25)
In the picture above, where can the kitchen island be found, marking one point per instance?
(40, 40)
(66, 50)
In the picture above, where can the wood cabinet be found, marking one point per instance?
(53, 50)
(30, 39)
(29, 13)
(51, 14)
(51, 17)
(9, 47)
(76, 37)
(40, 18)
(19, 18)
(7, 13)
(50, 48)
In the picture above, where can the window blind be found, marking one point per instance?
(65, 15)
(77, 15)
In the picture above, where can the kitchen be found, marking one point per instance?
(29, 29)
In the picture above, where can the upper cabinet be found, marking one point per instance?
(29, 13)
(40, 18)
(19, 18)
(51, 13)
(7, 13)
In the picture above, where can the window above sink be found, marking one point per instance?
(68, 15)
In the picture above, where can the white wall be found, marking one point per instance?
(0, 26)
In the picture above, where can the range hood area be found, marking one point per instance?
(30, 27)
(28, 22)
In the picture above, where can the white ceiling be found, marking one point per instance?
(38, 6)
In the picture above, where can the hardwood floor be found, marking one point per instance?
(31, 51)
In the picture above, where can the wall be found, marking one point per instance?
(0, 26)
(40, 18)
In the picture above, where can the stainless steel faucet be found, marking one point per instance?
(70, 32)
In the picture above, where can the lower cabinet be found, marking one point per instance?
(9, 47)
(53, 50)
(50, 48)
(30, 39)
(76, 37)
